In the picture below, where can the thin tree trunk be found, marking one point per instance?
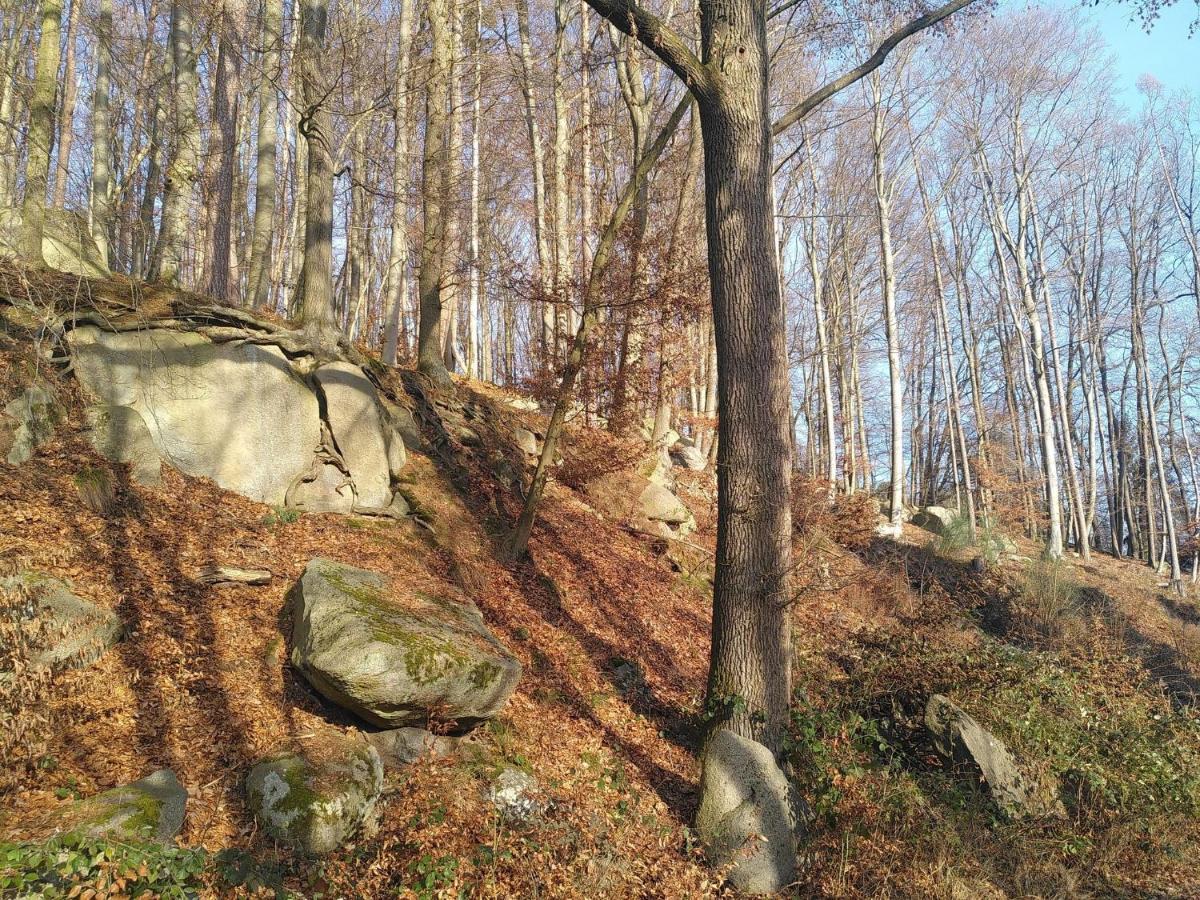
(66, 109)
(183, 170)
(102, 137)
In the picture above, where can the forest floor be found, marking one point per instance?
(1086, 670)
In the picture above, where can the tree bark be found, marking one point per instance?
(40, 139)
(435, 194)
(258, 286)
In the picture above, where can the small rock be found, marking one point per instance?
(316, 801)
(230, 575)
(514, 794)
(399, 747)
(68, 631)
(151, 809)
(751, 817)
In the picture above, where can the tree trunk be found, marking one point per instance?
(259, 283)
(102, 137)
(396, 292)
(66, 109)
(316, 310)
(183, 170)
(41, 132)
(435, 194)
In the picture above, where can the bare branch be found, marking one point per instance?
(819, 96)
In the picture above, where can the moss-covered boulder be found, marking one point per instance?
(393, 656)
(27, 421)
(151, 809)
(317, 799)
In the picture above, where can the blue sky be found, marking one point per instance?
(1166, 52)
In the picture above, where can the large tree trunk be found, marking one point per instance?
(183, 170)
(749, 682)
(223, 155)
(316, 309)
(435, 194)
(259, 284)
(41, 132)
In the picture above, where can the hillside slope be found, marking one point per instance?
(611, 627)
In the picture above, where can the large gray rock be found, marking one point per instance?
(960, 740)
(29, 421)
(643, 499)
(151, 809)
(120, 434)
(526, 441)
(688, 457)
(393, 656)
(235, 413)
(751, 817)
(934, 518)
(65, 631)
(67, 242)
(373, 454)
(316, 801)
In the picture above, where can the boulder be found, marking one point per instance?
(526, 441)
(393, 656)
(934, 518)
(235, 413)
(688, 457)
(373, 454)
(65, 630)
(316, 800)
(151, 809)
(751, 817)
(67, 242)
(399, 747)
(645, 504)
(658, 504)
(29, 420)
(960, 740)
(120, 435)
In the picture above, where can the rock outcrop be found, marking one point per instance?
(316, 800)
(644, 498)
(243, 413)
(750, 816)
(687, 456)
(65, 631)
(67, 242)
(28, 421)
(960, 740)
(935, 519)
(393, 656)
(151, 809)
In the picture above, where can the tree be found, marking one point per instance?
(749, 682)
(41, 132)
(259, 282)
(435, 193)
(316, 311)
(183, 170)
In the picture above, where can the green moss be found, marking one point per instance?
(484, 673)
(427, 658)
